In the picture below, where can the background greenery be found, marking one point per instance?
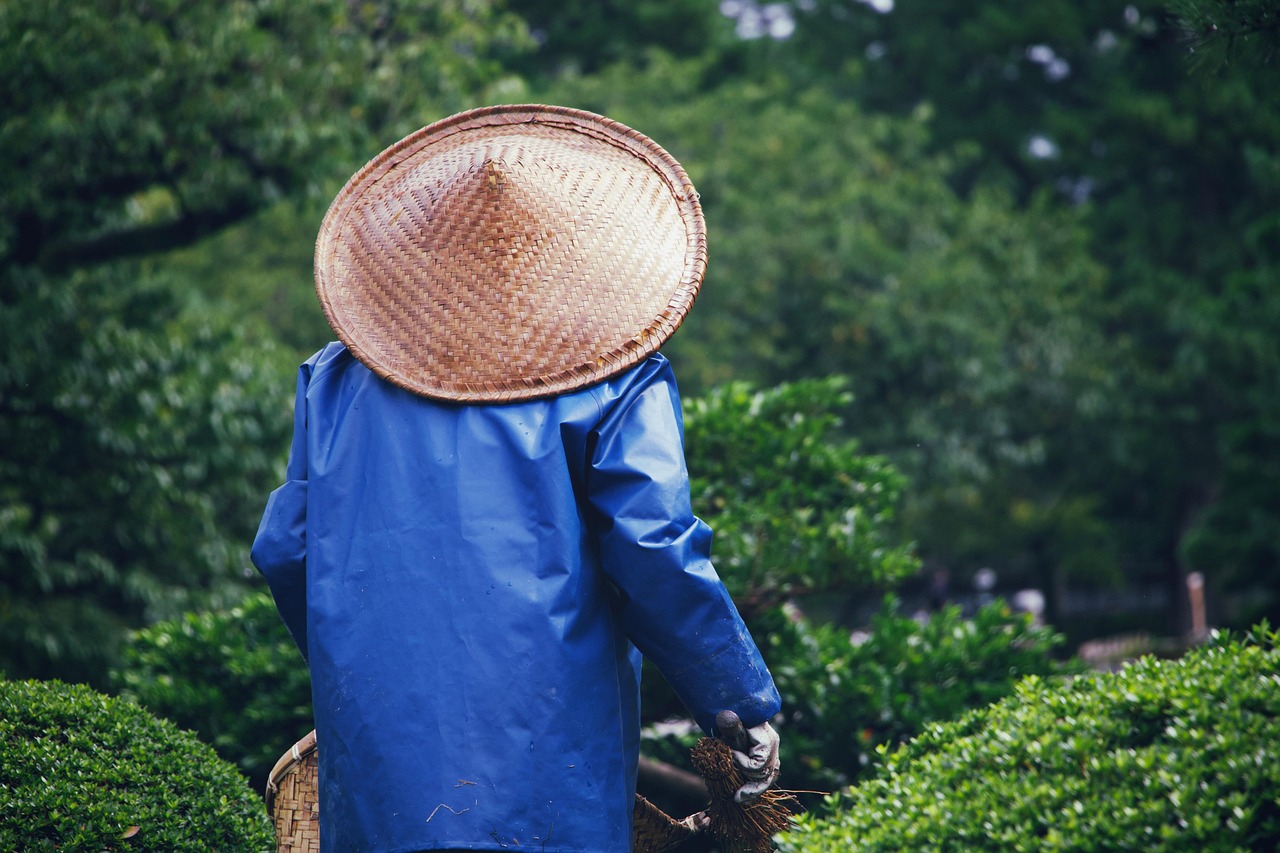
(991, 285)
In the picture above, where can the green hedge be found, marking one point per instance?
(83, 771)
(1161, 756)
(232, 676)
(844, 698)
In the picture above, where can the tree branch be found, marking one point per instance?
(144, 240)
(672, 782)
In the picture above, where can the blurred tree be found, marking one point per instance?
(1175, 177)
(795, 507)
(136, 126)
(582, 36)
(381, 70)
(135, 444)
(1237, 538)
(262, 264)
(141, 428)
(1223, 31)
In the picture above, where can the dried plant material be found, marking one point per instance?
(740, 828)
(654, 831)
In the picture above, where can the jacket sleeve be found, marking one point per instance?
(657, 553)
(280, 548)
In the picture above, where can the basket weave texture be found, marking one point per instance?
(293, 798)
(294, 804)
(511, 252)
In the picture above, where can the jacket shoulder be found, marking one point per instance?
(653, 370)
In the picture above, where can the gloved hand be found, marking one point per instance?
(755, 754)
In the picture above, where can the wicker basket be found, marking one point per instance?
(293, 798)
(293, 801)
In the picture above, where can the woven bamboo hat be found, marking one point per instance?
(511, 252)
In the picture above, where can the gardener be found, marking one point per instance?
(486, 510)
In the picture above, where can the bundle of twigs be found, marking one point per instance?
(655, 831)
(739, 827)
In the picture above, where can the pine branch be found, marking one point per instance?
(1221, 32)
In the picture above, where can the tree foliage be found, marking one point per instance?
(795, 508)
(583, 36)
(1223, 31)
(1173, 170)
(233, 676)
(131, 122)
(136, 443)
(846, 699)
(135, 126)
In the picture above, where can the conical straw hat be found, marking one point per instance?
(511, 252)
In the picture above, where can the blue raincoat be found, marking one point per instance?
(470, 585)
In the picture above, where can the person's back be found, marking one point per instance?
(467, 581)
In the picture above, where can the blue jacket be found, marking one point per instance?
(470, 585)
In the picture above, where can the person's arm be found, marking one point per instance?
(673, 604)
(280, 548)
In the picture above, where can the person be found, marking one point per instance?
(486, 518)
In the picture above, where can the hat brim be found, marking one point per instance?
(510, 253)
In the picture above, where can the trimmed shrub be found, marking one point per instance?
(233, 676)
(794, 503)
(1162, 755)
(83, 771)
(844, 697)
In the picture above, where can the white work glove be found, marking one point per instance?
(755, 754)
